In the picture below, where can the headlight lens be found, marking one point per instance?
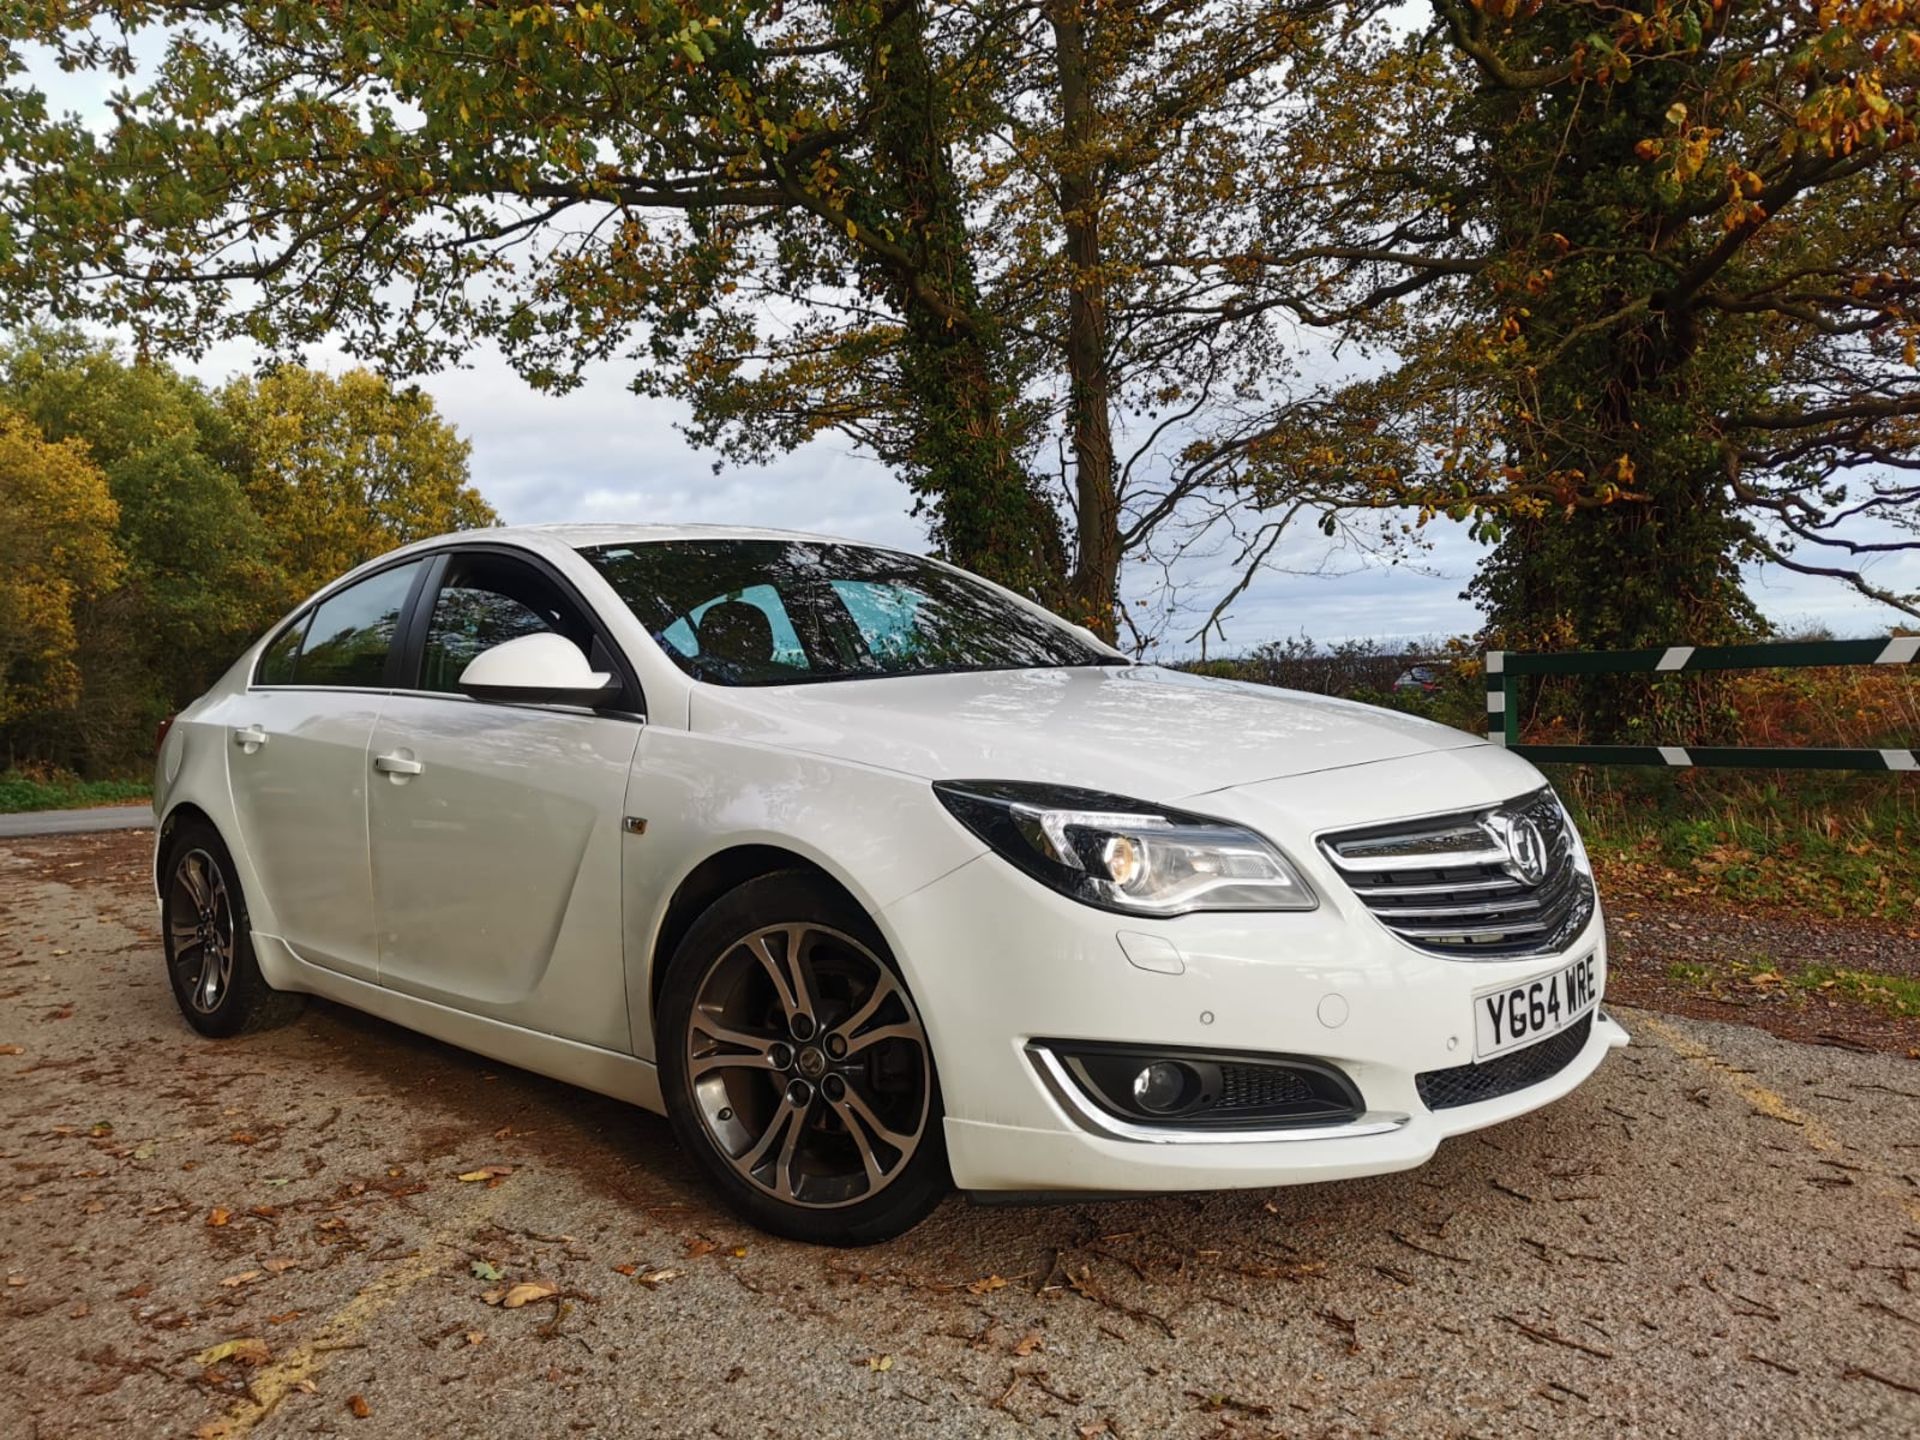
(1126, 855)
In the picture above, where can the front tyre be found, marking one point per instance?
(209, 943)
(796, 1069)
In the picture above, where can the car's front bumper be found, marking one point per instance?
(995, 960)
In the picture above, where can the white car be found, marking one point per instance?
(874, 877)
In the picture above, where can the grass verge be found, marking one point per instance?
(65, 792)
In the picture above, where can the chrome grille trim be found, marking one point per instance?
(1426, 882)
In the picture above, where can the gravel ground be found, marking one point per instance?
(1720, 1234)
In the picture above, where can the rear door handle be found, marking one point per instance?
(397, 765)
(249, 738)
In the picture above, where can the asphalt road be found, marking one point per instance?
(1719, 1235)
(22, 823)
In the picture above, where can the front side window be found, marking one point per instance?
(346, 639)
(487, 599)
(778, 612)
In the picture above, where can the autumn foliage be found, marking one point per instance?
(149, 527)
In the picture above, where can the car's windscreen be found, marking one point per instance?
(784, 612)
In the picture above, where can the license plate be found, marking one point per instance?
(1517, 1015)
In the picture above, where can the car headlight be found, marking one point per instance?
(1126, 855)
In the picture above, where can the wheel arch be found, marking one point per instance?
(719, 873)
(168, 823)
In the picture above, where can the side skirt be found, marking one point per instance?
(606, 1072)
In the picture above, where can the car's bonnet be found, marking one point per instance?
(1143, 731)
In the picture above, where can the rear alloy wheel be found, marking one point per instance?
(799, 1064)
(209, 944)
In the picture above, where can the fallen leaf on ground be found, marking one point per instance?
(245, 1277)
(279, 1263)
(879, 1362)
(700, 1245)
(485, 1270)
(357, 1404)
(625, 1269)
(474, 1337)
(1033, 1340)
(11, 1050)
(526, 1292)
(485, 1172)
(248, 1351)
(16, 1280)
(657, 1277)
(217, 1217)
(983, 1287)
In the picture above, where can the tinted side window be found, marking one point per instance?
(467, 620)
(351, 632)
(276, 665)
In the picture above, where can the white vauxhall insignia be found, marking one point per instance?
(874, 877)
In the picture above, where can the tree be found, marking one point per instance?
(56, 552)
(198, 581)
(1656, 268)
(978, 239)
(341, 468)
(225, 508)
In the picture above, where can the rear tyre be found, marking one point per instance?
(209, 943)
(796, 1069)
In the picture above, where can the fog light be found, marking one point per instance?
(1160, 1087)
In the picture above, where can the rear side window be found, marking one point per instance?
(276, 666)
(346, 640)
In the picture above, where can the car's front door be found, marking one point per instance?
(297, 761)
(495, 828)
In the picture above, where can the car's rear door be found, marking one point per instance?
(297, 762)
(495, 828)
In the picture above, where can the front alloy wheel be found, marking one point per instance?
(802, 1063)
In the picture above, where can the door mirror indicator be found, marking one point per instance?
(545, 669)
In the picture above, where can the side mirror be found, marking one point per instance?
(543, 669)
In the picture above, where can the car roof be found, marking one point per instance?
(575, 536)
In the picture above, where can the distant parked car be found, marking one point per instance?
(875, 877)
(1424, 678)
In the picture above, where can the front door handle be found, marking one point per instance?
(397, 765)
(249, 738)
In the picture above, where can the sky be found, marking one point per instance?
(603, 453)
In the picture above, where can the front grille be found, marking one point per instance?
(1489, 1080)
(1458, 885)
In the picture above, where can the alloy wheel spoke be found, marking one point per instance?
(790, 989)
(724, 1060)
(884, 987)
(786, 1121)
(905, 1030)
(184, 935)
(783, 1168)
(195, 881)
(876, 1175)
(213, 970)
(728, 1035)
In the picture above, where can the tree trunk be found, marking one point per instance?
(1094, 586)
(989, 514)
